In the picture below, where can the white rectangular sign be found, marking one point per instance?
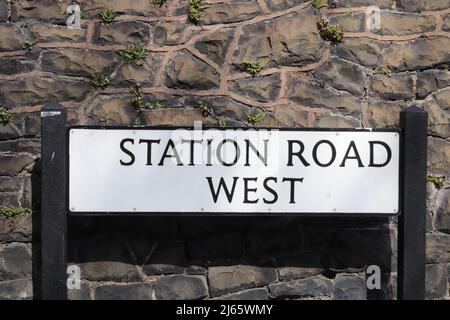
(233, 171)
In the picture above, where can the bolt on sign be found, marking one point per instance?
(233, 171)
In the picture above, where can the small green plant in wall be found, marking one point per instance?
(83, 15)
(329, 31)
(159, 3)
(138, 96)
(156, 106)
(28, 45)
(107, 15)
(319, 4)
(138, 101)
(437, 181)
(206, 110)
(10, 212)
(99, 81)
(134, 53)
(254, 119)
(195, 10)
(5, 115)
(386, 71)
(251, 67)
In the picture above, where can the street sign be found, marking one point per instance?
(233, 171)
(173, 171)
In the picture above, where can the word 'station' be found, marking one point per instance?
(233, 171)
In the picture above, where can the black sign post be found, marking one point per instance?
(411, 227)
(412, 221)
(54, 198)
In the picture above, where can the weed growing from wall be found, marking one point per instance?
(437, 181)
(206, 110)
(138, 96)
(28, 45)
(318, 4)
(195, 10)
(386, 71)
(329, 31)
(10, 212)
(254, 119)
(134, 53)
(83, 15)
(160, 3)
(5, 115)
(99, 81)
(209, 111)
(253, 68)
(155, 106)
(138, 101)
(107, 16)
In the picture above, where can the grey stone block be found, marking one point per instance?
(350, 287)
(442, 221)
(130, 291)
(438, 248)
(227, 279)
(249, 294)
(317, 286)
(15, 261)
(16, 289)
(436, 285)
(180, 287)
(15, 229)
(84, 293)
(109, 271)
(196, 270)
(3, 10)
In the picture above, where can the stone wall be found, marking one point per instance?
(201, 69)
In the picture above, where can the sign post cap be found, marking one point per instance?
(52, 106)
(414, 109)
